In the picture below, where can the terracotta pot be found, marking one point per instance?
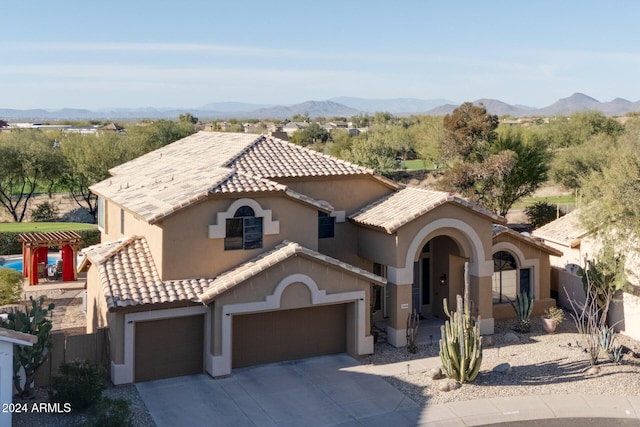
(549, 325)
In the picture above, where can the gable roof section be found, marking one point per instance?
(501, 229)
(566, 230)
(129, 277)
(180, 174)
(399, 208)
(275, 158)
(286, 250)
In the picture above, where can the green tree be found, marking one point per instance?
(427, 135)
(28, 161)
(612, 196)
(187, 118)
(313, 134)
(88, 160)
(491, 168)
(469, 131)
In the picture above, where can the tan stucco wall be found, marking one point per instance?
(327, 278)
(96, 303)
(193, 254)
(348, 193)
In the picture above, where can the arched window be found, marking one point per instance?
(244, 230)
(508, 278)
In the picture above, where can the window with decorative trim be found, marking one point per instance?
(508, 278)
(326, 225)
(243, 231)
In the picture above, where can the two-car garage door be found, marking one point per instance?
(175, 346)
(275, 336)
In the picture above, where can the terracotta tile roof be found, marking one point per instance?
(399, 208)
(274, 158)
(244, 272)
(565, 230)
(501, 229)
(129, 277)
(180, 174)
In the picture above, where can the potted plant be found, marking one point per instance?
(552, 318)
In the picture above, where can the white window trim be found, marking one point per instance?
(269, 226)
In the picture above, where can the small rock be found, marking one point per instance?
(502, 368)
(511, 338)
(449, 385)
(488, 340)
(435, 374)
(594, 370)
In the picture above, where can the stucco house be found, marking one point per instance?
(225, 250)
(576, 245)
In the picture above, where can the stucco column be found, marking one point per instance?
(398, 309)
(481, 295)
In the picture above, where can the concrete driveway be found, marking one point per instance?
(319, 391)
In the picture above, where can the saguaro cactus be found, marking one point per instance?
(460, 342)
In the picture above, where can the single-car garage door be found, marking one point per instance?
(169, 348)
(275, 336)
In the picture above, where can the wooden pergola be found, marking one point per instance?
(35, 249)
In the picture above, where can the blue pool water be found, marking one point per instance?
(17, 265)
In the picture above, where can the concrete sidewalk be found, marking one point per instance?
(513, 409)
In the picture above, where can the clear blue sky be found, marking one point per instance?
(99, 54)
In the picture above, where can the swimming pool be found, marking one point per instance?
(17, 264)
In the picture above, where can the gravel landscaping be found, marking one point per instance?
(538, 364)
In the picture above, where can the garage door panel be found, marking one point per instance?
(288, 334)
(169, 347)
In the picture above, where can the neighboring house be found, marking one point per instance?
(567, 235)
(224, 250)
(292, 127)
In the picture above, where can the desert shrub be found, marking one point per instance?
(541, 213)
(78, 215)
(112, 413)
(44, 212)
(9, 243)
(79, 383)
(89, 237)
(10, 286)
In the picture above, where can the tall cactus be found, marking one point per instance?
(460, 342)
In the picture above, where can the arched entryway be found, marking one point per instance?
(438, 273)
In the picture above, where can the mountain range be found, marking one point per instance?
(333, 107)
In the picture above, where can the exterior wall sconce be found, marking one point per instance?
(443, 279)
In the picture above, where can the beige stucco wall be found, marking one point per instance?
(327, 278)
(191, 253)
(346, 193)
(96, 303)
